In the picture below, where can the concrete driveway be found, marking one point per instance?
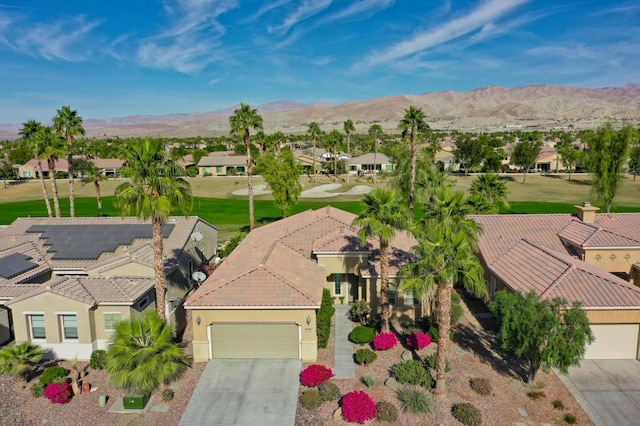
(245, 392)
(608, 390)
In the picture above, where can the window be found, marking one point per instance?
(36, 324)
(111, 319)
(392, 295)
(143, 303)
(337, 284)
(219, 169)
(69, 326)
(409, 300)
(492, 287)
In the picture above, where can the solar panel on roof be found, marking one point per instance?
(15, 264)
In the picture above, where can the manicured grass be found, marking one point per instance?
(535, 207)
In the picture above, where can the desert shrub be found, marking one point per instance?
(359, 311)
(457, 312)
(98, 360)
(314, 375)
(365, 356)
(412, 372)
(432, 361)
(369, 380)
(480, 385)
(329, 391)
(418, 340)
(55, 374)
(415, 400)
(455, 298)
(384, 341)
(386, 412)
(323, 319)
(467, 414)
(536, 394)
(358, 407)
(37, 390)
(362, 335)
(570, 419)
(168, 394)
(433, 332)
(557, 404)
(58, 393)
(311, 399)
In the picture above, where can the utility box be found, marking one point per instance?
(135, 400)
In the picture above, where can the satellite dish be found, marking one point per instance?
(198, 276)
(196, 236)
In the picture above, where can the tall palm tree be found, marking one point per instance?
(155, 189)
(384, 214)
(413, 123)
(242, 120)
(375, 131)
(17, 360)
(51, 145)
(69, 124)
(445, 255)
(332, 142)
(348, 128)
(429, 181)
(488, 194)
(94, 174)
(142, 355)
(314, 133)
(28, 132)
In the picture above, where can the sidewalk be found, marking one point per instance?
(344, 365)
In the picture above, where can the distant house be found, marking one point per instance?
(370, 164)
(108, 167)
(222, 164)
(65, 282)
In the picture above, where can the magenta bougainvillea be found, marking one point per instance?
(358, 407)
(58, 393)
(418, 340)
(315, 375)
(384, 341)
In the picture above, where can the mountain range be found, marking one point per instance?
(489, 108)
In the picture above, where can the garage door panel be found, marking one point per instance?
(613, 341)
(251, 340)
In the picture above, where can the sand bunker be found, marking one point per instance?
(257, 190)
(322, 191)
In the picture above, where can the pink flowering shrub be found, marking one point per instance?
(315, 375)
(358, 407)
(418, 340)
(384, 341)
(58, 393)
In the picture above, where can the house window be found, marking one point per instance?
(69, 326)
(492, 287)
(36, 324)
(392, 294)
(143, 303)
(337, 284)
(111, 319)
(409, 300)
(219, 169)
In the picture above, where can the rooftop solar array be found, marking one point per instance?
(15, 264)
(90, 241)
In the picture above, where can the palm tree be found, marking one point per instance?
(50, 144)
(375, 131)
(28, 132)
(155, 189)
(413, 123)
(243, 119)
(429, 181)
(488, 194)
(314, 133)
(332, 142)
(444, 255)
(17, 360)
(348, 128)
(69, 124)
(142, 355)
(94, 174)
(383, 215)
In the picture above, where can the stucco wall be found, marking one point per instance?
(621, 316)
(612, 260)
(399, 311)
(341, 263)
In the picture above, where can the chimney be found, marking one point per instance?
(587, 212)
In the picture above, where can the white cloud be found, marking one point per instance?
(567, 52)
(362, 9)
(266, 8)
(481, 17)
(305, 10)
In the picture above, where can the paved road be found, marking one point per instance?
(608, 390)
(245, 392)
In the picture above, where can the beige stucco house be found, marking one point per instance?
(370, 163)
(65, 282)
(222, 164)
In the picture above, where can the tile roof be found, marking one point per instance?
(223, 160)
(368, 159)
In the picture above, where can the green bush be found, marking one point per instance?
(168, 394)
(432, 360)
(457, 312)
(37, 390)
(557, 404)
(323, 319)
(455, 298)
(55, 374)
(415, 400)
(386, 412)
(570, 419)
(359, 311)
(480, 385)
(412, 372)
(329, 391)
(467, 414)
(98, 360)
(365, 356)
(362, 335)
(311, 399)
(369, 380)
(433, 332)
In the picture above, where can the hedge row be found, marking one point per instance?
(323, 319)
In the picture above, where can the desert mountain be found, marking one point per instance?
(486, 109)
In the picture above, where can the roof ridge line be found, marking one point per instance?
(287, 282)
(556, 255)
(557, 281)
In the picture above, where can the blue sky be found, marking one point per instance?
(111, 58)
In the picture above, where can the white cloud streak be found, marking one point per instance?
(305, 10)
(362, 10)
(265, 9)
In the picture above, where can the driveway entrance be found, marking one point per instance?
(607, 389)
(245, 392)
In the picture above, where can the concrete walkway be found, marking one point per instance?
(344, 367)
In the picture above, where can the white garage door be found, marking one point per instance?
(255, 340)
(613, 341)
